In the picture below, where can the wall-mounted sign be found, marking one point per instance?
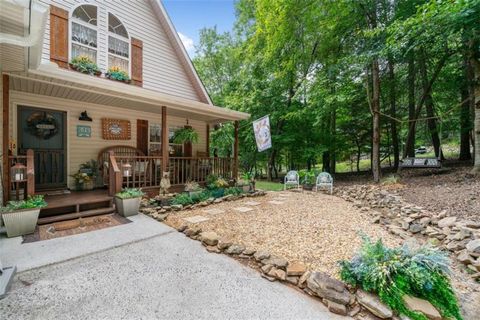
(84, 131)
(115, 129)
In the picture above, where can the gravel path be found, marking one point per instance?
(314, 228)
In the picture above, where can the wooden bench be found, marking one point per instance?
(119, 151)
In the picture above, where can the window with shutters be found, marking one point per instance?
(84, 32)
(118, 44)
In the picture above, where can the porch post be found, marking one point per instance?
(208, 140)
(165, 154)
(235, 152)
(30, 173)
(6, 135)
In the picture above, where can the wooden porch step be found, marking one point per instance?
(76, 215)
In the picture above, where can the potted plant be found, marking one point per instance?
(83, 181)
(184, 135)
(193, 188)
(308, 180)
(127, 201)
(84, 64)
(20, 217)
(117, 74)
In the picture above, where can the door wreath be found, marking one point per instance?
(42, 125)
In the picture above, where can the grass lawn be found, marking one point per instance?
(268, 186)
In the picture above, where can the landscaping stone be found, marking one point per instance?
(263, 275)
(415, 228)
(190, 232)
(213, 249)
(465, 258)
(248, 251)
(296, 269)
(176, 207)
(235, 249)
(209, 238)
(196, 219)
(224, 243)
(277, 262)
(182, 227)
(214, 211)
(292, 280)
(354, 311)
(328, 288)
(276, 202)
(373, 304)
(252, 203)
(266, 268)
(243, 209)
(423, 306)
(447, 222)
(277, 274)
(261, 255)
(336, 307)
(473, 246)
(302, 281)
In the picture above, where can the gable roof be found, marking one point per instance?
(182, 54)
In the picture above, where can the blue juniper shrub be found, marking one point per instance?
(391, 273)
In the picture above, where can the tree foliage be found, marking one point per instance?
(311, 65)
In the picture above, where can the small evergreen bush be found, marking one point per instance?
(391, 273)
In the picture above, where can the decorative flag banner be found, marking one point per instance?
(261, 128)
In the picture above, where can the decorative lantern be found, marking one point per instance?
(18, 172)
(127, 169)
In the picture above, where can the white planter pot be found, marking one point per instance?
(20, 222)
(127, 207)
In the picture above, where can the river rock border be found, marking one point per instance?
(160, 213)
(460, 237)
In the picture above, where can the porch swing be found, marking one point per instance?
(425, 162)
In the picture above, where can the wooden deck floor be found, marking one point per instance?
(75, 205)
(77, 198)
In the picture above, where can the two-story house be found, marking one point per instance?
(55, 118)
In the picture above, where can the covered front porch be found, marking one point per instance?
(138, 161)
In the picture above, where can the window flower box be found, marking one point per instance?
(117, 74)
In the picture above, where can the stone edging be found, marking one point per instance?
(461, 237)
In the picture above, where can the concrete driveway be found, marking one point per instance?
(166, 276)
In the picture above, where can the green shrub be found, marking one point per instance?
(233, 191)
(182, 199)
(130, 193)
(391, 273)
(34, 202)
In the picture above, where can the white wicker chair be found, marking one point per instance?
(324, 180)
(293, 179)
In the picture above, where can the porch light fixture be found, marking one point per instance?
(18, 172)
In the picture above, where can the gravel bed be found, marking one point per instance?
(315, 228)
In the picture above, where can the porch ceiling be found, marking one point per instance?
(72, 85)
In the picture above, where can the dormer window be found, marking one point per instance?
(84, 32)
(118, 44)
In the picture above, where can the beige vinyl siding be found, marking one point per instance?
(80, 150)
(162, 69)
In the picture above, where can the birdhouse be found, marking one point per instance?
(18, 172)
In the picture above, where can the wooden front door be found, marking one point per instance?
(44, 131)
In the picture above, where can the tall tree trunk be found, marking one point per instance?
(332, 152)
(467, 97)
(431, 122)
(326, 161)
(376, 170)
(393, 113)
(410, 143)
(474, 56)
